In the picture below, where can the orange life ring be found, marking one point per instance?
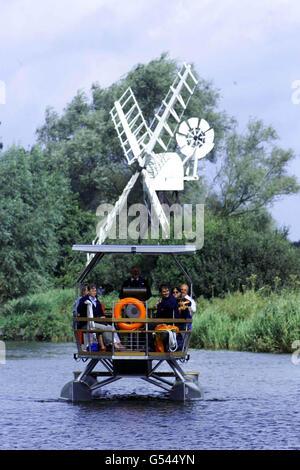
(126, 301)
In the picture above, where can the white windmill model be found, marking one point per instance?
(164, 171)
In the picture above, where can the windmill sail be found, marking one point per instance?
(173, 106)
(104, 228)
(130, 125)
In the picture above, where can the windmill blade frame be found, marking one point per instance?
(130, 125)
(104, 227)
(184, 80)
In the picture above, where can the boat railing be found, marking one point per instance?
(141, 341)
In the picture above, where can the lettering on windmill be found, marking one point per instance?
(2, 92)
(160, 170)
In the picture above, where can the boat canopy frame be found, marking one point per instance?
(100, 250)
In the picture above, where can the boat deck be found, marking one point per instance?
(137, 342)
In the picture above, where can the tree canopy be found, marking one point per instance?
(252, 173)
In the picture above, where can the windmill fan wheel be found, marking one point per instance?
(195, 136)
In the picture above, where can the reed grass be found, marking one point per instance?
(44, 316)
(257, 321)
(251, 321)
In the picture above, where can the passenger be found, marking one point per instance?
(176, 292)
(100, 290)
(184, 307)
(83, 291)
(167, 308)
(136, 281)
(98, 312)
(184, 289)
(77, 325)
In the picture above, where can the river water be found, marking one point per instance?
(251, 401)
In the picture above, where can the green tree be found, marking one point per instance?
(31, 207)
(253, 172)
(237, 253)
(40, 220)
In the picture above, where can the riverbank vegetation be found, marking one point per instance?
(49, 194)
(256, 321)
(45, 316)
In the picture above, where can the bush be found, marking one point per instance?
(45, 316)
(253, 321)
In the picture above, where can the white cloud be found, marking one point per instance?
(30, 20)
(214, 26)
(2, 92)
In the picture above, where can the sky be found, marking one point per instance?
(248, 49)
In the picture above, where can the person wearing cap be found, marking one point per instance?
(136, 281)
